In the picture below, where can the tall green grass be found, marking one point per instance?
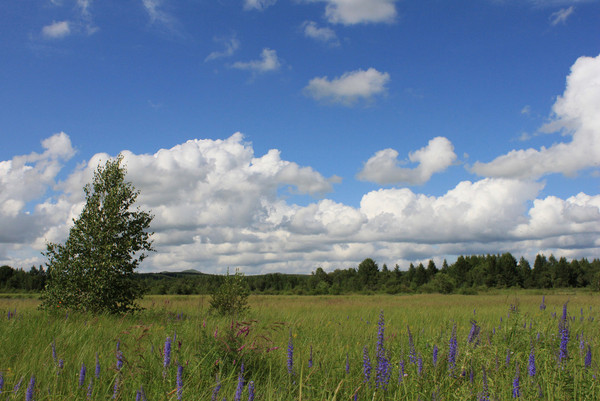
(212, 348)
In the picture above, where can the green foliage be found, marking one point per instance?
(231, 298)
(93, 270)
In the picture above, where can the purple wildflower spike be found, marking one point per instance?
(54, 351)
(119, 360)
(366, 364)
(290, 355)
(347, 364)
(30, 389)
(179, 381)
(474, 332)
(543, 304)
(452, 349)
(82, 375)
(18, 385)
(485, 394)
(516, 384)
(420, 365)
(435, 355)
(310, 359)
(508, 357)
(116, 388)
(400, 371)
(240, 386)
(412, 355)
(251, 391)
(1, 382)
(588, 357)
(382, 371)
(90, 389)
(531, 368)
(167, 353)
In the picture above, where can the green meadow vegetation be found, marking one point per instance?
(308, 348)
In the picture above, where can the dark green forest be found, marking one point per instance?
(468, 275)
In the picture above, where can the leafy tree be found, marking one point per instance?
(94, 269)
(231, 298)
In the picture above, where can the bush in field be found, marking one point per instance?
(231, 298)
(93, 271)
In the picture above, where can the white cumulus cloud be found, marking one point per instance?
(268, 62)
(321, 34)
(350, 87)
(57, 30)
(258, 4)
(382, 168)
(349, 12)
(575, 114)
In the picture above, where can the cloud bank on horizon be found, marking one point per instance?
(218, 204)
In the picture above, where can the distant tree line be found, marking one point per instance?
(468, 274)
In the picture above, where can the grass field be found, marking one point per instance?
(311, 348)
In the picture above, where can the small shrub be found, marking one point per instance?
(231, 298)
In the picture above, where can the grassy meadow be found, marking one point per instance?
(418, 347)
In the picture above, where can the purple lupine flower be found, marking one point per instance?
(420, 365)
(90, 388)
(382, 371)
(508, 357)
(179, 381)
(54, 351)
(82, 375)
(251, 391)
(485, 393)
(97, 371)
(119, 360)
(290, 355)
(588, 357)
(516, 384)
(400, 371)
(116, 388)
(452, 349)
(138, 396)
(543, 304)
(435, 355)
(564, 315)
(474, 332)
(240, 386)
(1, 382)
(310, 361)
(581, 344)
(563, 328)
(366, 364)
(30, 389)
(61, 365)
(167, 353)
(412, 355)
(215, 392)
(531, 368)
(347, 364)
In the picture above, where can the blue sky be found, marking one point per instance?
(276, 135)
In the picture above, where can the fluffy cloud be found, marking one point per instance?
(349, 12)
(268, 62)
(560, 16)
(575, 114)
(321, 34)
(258, 4)
(217, 204)
(382, 168)
(350, 87)
(57, 30)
